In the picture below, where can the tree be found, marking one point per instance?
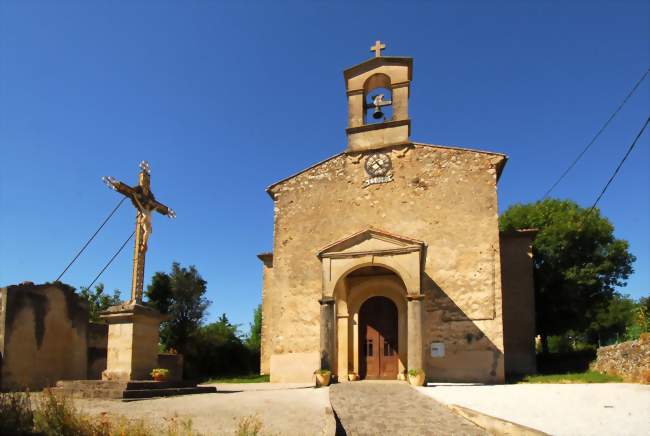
(640, 320)
(612, 320)
(577, 261)
(217, 349)
(254, 339)
(180, 295)
(98, 301)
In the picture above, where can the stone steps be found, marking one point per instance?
(127, 390)
(167, 392)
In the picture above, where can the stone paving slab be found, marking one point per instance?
(591, 409)
(387, 408)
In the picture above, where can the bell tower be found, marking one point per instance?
(378, 94)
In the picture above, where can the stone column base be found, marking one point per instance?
(132, 341)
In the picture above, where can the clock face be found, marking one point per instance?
(378, 165)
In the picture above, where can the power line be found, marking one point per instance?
(629, 150)
(604, 126)
(91, 238)
(112, 258)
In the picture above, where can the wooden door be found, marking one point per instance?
(378, 339)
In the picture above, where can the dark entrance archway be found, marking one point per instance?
(378, 339)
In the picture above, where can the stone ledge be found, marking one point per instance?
(127, 390)
(495, 426)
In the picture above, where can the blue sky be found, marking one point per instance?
(225, 98)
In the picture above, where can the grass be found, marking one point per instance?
(25, 414)
(574, 377)
(49, 415)
(251, 378)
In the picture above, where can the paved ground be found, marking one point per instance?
(282, 408)
(558, 409)
(391, 408)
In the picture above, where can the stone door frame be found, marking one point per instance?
(340, 302)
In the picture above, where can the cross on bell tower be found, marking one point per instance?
(377, 82)
(377, 48)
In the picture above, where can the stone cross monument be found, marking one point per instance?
(133, 327)
(145, 203)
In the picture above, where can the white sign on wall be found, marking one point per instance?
(437, 349)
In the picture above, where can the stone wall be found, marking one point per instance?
(443, 196)
(518, 302)
(43, 336)
(629, 360)
(97, 348)
(173, 363)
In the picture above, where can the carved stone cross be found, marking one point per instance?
(377, 48)
(144, 202)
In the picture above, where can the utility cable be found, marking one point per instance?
(629, 150)
(91, 238)
(609, 120)
(112, 259)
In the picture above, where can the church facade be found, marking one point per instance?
(388, 256)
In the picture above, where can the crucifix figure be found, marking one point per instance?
(377, 48)
(144, 202)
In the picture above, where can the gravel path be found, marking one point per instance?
(282, 409)
(559, 409)
(392, 408)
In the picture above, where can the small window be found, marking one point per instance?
(389, 350)
(368, 350)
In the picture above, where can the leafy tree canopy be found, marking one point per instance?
(180, 294)
(254, 339)
(578, 262)
(98, 301)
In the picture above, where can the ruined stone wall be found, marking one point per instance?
(629, 360)
(518, 302)
(445, 197)
(44, 336)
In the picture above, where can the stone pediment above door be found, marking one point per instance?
(371, 241)
(372, 247)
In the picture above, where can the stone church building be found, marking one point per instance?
(388, 256)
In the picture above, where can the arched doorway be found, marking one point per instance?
(378, 356)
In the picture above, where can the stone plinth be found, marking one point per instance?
(132, 341)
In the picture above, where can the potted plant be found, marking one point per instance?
(416, 377)
(353, 376)
(322, 377)
(159, 374)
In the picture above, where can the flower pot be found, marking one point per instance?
(416, 380)
(323, 379)
(353, 377)
(159, 377)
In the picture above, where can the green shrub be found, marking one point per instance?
(16, 416)
(415, 372)
(562, 363)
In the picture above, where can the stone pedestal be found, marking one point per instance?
(132, 341)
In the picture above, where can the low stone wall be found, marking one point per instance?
(629, 360)
(172, 362)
